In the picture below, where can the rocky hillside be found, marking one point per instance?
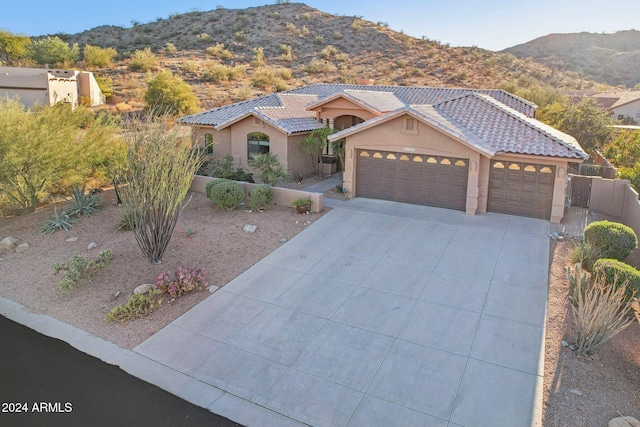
(300, 45)
(612, 59)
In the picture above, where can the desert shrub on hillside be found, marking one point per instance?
(328, 52)
(218, 50)
(143, 60)
(258, 57)
(285, 52)
(319, 66)
(170, 48)
(95, 56)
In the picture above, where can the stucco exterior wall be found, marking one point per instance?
(390, 136)
(88, 87)
(233, 140)
(342, 107)
(631, 109)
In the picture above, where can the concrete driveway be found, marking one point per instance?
(380, 313)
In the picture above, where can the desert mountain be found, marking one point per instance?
(612, 59)
(300, 45)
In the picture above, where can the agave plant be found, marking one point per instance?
(83, 203)
(59, 221)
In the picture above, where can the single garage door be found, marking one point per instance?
(412, 178)
(524, 189)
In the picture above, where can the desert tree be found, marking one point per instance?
(169, 94)
(96, 56)
(13, 47)
(586, 121)
(48, 149)
(53, 50)
(160, 165)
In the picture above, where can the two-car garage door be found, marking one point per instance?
(412, 178)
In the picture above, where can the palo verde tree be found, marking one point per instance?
(169, 94)
(49, 149)
(53, 50)
(159, 170)
(586, 121)
(13, 47)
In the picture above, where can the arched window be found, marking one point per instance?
(257, 143)
(208, 143)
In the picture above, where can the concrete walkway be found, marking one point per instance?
(380, 313)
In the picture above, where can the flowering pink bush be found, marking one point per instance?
(182, 281)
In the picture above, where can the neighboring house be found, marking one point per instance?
(621, 104)
(466, 149)
(50, 86)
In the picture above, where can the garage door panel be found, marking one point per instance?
(412, 178)
(521, 189)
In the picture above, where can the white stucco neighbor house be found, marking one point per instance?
(621, 103)
(475, 150)
(50, 86)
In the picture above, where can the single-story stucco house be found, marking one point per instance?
(621, 103)
(466, 149)
(47, 86)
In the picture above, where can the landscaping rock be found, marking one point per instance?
(624, 422)
(565, 344)
(72, 239)
(143, 289)
(213, 288)
(8, 243)
(1, 259)
(283, 240)
(575, 391)
(22, 247)
(92, 245)
(250, 228)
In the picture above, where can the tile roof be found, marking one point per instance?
(508, 130)
(614, 99)
(492, 121)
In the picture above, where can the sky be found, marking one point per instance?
(489, 24)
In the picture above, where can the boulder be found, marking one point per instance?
(72, 239)
(250, 228)
(92, 245)
(8, 243)
(624, 422)
(143, 289)
(22, 247)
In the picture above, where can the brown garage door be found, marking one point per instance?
(412, 178)
(524, 189)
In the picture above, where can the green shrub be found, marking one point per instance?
(617, 273)
(169, 94)
(224, 168)
(317, 66)
(260, 196)
(218, 50)
(612, 239)
(170, 48)
(80, 267)
(209, 187)
(227, 196)
(95, 56)
(143, 60)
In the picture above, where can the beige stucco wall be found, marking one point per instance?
(389, 136)
(616, 198)
(281, 196)
(342, 107)
(233, 140)
(88, 86)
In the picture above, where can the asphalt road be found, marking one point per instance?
(46, 382)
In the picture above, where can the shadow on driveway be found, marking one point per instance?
(80, 390)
